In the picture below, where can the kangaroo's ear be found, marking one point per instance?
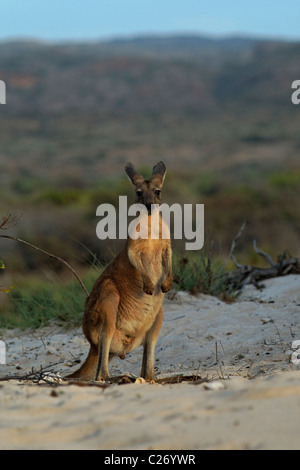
(133, 175)
(159, 171)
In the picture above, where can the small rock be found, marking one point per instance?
(140, 380)
(266, 320)
(217, 385)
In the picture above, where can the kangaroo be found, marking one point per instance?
(125, 307)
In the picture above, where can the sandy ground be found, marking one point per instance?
(250, 398)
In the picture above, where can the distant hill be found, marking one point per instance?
(190, 98)
(218, 111)
(146, 74)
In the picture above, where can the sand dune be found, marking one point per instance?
(250, 398)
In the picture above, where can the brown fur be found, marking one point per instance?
(125, 308)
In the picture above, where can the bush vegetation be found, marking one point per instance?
(63, 222)
(36, 302)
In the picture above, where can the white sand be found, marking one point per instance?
(243, 348)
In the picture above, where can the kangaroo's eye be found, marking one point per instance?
(157, 192)
(139, 193)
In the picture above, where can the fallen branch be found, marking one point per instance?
(41, 377)
(246, 274)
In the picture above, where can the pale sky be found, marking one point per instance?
(104, 19)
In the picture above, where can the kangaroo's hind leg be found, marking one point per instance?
(107, 307)
(147, 371)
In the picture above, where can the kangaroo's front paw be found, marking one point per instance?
(148, 289)
(166, 286)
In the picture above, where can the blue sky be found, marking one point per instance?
(101, 19)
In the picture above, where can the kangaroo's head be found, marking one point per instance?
(147, 192)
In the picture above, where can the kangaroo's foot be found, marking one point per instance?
(102, 377)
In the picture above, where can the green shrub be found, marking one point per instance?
(60, 197)
(207, 184)
(197, 272)
(34, 303)
(285, 179)
(26, 185)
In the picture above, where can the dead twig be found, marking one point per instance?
(8, 220)
(262, 253)
(43, 376)
(50, 255)
(237, 237)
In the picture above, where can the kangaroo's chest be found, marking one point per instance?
(150, 253)
(152, 259)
